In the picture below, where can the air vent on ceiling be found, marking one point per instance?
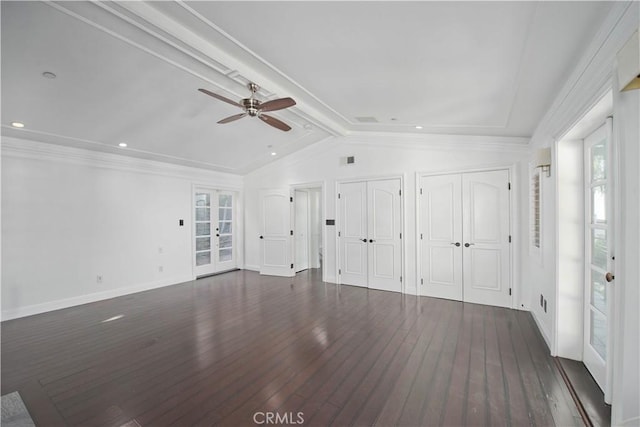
(367, 119)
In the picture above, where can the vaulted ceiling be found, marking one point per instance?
(128, 72)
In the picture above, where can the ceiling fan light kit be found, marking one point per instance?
(255, 108)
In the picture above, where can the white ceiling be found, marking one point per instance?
(129, 72)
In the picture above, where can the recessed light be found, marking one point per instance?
(273, 153)
(17, 124)
(122, 144)
(418, 127)
(48, 75)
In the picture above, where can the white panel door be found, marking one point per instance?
(486, 260)
(276, 257)
(384, 241)
(301, 229)
(599, 255)
(353, 233)
(441, 236)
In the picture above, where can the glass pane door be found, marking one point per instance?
(203, 236)
(214, 226)
(598, 253)
(226, 258)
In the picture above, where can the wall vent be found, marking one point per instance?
(367, 119)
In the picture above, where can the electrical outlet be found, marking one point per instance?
(160, 269)
(98, 279)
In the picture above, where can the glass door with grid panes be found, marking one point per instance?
(598, 253)
(214, 239)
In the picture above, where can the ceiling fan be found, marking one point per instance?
(254, 107)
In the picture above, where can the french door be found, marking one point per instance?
(465, 237)
(370, 234)
(214, 227)
(598, 253)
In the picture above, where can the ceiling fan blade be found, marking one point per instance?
(221, 98)
(278, 124)
(232, 118)
(277, 104)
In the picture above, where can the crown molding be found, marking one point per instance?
(445, 142)
(592, 76)
(36, 150)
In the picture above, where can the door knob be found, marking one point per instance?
(609, 277)
(364, 240)
(371, 240)
(466, 245)
(457, 244)
(262, 237)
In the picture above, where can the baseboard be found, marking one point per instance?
(251, 267)
(31, 310)
(635, 421)
(542, 331)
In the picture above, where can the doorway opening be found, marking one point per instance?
(307, 228)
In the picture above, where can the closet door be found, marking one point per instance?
(441, 236)
(353, 233)
(370, 241)
(383, 232)
(276, 257)
(486, 259)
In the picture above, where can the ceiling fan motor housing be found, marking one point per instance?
(252, 106)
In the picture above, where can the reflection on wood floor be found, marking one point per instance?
(238, 347)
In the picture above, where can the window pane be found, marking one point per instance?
(203, 243)
(225, 200)
(225, 214)
(225, 241)
(225, 227)
(203, 258)
(203, 214)
(203, 229)
(202, 199)
(226, 254)
(599, 248)
(598, 205)
(599, 161)
(598, 291)
(598, 338)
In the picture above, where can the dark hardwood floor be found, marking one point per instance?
(238, 348)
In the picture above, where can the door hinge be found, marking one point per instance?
(421, 191)
(509, 238)
(401, 235)
(339, 271)
(291, 232)
(291, 265)
(509, 291)
(420, 236)
(400, 279)
(338, 234)
(291, 199)
(422, 281)
(338, 195)
(400, 192)
(509, 186)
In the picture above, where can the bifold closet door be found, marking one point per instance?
(370, 227)
(464, 227)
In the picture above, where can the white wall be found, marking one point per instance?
(70, 215)
(324, 162)
(626, 389)
(570, 263)
(593, 76)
